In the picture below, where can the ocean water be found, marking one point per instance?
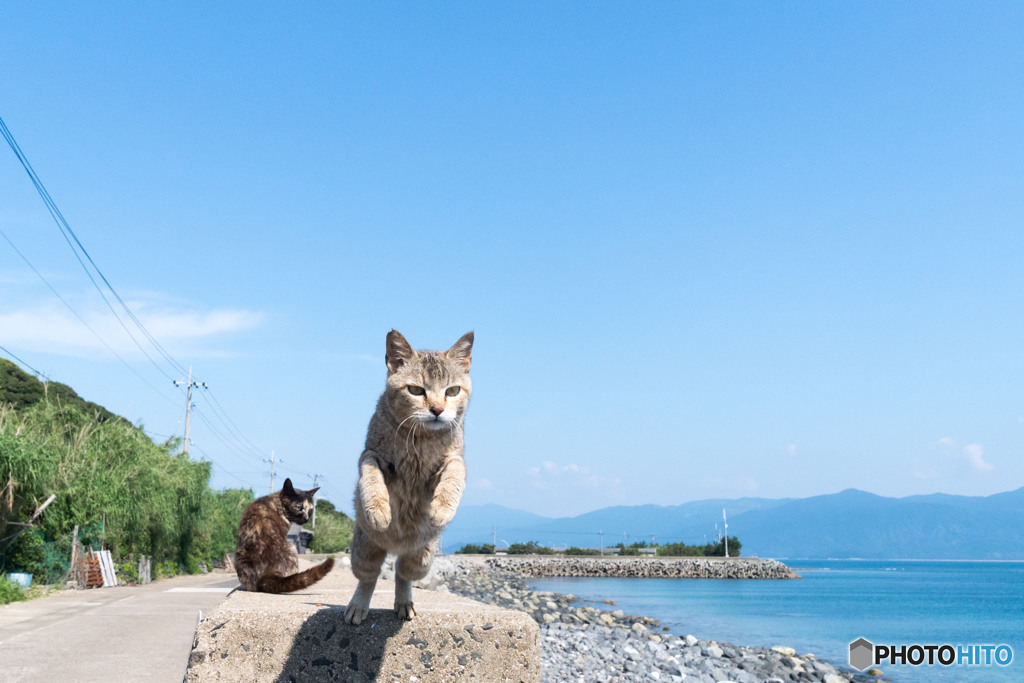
(836, 602)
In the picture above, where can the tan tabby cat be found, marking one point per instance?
(265, 560)
(411, 474)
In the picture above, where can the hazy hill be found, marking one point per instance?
(850, 523)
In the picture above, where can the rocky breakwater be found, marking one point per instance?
(596, 642)
(644, 567)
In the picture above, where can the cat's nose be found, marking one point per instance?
(436, 410)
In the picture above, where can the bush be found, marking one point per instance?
(10, 591)
(128, 571)
(582, 551)
(124, 492)
(706, 550)
(473, 549)
(29, 554)
(531, 548)
(333, 532)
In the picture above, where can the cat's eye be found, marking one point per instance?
(415, 390)
(452, 391)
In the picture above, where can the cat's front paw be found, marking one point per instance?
(440, 513)
(378, 514)
(354, 614)
(404, 610)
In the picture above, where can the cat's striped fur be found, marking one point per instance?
(411, 473)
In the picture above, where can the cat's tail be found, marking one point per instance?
(271, 583)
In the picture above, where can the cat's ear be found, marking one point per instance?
(399, 351)
(310, 493)
(288, 489)
(462, 351)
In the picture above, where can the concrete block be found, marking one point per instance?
(303, 637)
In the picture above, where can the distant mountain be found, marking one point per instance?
(857, 524)
(478, 523)
(847, 524)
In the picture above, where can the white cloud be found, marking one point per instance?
(974, 455)
(483, 484)
(551, 475)
(52, 329)
(945, 442)
(791, 450)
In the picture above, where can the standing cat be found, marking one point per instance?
(265, 561)
(411, 473)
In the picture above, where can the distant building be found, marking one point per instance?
(300, 538)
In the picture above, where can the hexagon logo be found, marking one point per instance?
(862, 654)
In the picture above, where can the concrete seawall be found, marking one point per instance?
(642, 567)
(303, 637)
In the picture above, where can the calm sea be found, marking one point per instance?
(836, 602)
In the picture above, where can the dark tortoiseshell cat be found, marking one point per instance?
(265, 561)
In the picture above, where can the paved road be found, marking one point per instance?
(137, 633)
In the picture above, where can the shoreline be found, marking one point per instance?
(581, 642)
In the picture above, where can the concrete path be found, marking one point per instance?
(129, 633)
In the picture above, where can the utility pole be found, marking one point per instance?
(316, 475)
(494, 538)
(726, 523)
(602, 542)
(188, 402)
(272, 460)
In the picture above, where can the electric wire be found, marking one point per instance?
(37, 373)
(244, 447)
(78, 316)
(69, 235)
(219, 410)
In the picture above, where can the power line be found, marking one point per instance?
(38, 374)
(69, 235)
(218, 410)
(79, 250)
(77, 315)
(235, 447)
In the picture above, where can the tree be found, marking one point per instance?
(224, 511)
(706, 550)
(473, 549)
(718, 549)
(333, 532)
(581, 551)
(17, 387)
(531, 548)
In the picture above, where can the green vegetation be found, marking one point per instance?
(531, 548)
(633, 548)
(581, 551)
(706, 550)
(123, 492)
(473, 549)
(10, 591)
(333, 533)
(21, 390)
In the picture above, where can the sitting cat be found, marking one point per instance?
(411, 473)
(265, 560)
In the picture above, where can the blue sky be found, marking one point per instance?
(708, 249)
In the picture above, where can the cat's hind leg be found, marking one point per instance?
(410, 567)
(367, 557)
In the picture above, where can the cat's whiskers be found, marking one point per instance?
(411, 435)
(399, 429)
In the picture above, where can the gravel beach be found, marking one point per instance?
(581, 642)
